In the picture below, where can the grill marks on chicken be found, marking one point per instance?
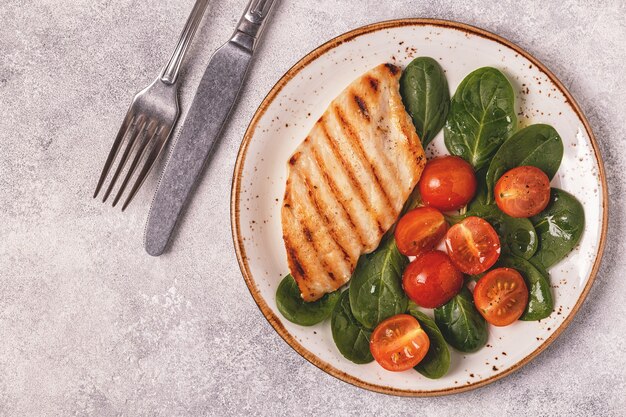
(348, 180)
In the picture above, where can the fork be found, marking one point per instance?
(149, 121)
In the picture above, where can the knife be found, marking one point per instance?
(213, 102)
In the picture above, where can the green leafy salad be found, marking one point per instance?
(474, 243)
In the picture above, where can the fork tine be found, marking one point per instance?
(128, 120)
(161, 140)
(136, 130)
(152, 130)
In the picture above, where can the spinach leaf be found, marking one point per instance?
(540, 268)
(461, 324)
(291, 305)
(351, 338)
(437, 361)
(426, 97)
(480, 198)
(540, 302)
(537, 145)
(518, 235)
(560, 227)
(376, 288)
(482, 116)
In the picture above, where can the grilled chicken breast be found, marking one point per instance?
(348, 180)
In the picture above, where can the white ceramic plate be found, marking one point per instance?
(298, 100)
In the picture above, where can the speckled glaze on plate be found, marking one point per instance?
(297, 101)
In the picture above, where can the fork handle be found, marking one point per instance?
(170, 73)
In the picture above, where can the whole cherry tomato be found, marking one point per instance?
(432, 280)
(447, 183)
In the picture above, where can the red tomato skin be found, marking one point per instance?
(466, 256)
(420, 230)
(447, 183)
(432, 280)
(393, 331)
(500, 303)
(523, 191)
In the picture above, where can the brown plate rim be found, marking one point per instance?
(236, 186)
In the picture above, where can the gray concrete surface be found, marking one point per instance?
(92, 326)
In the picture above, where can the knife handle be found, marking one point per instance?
(250, 27)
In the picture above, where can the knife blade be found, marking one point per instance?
(214, 100)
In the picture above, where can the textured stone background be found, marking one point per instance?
(91, 325)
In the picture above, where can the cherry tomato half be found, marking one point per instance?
(432, 280)
(523, 191)
(420, 230)
(399, 343)
(447, 183)
(501, 296)
(473, 245)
